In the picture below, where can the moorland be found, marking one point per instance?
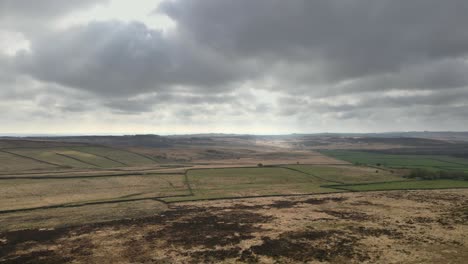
(334, 198)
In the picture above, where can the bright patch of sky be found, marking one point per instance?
(140, 11)
(12, 42)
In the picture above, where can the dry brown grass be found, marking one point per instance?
(383, 227)
(27, 193)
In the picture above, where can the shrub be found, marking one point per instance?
(435, 175)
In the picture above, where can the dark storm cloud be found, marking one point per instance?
(350, 39)
(150, 102)
(114, 58)
(306, 60)
(218, 44)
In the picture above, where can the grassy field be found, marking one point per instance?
(78, 203)
(57, 217)
(52, 156)
(239, 182)
(384, 227)
(348, 174)
(10, 162)
(124, 157)
(32, 199)
(405, 185)
(81, 157)
(28, 193)
(91, 159)
(434, 162)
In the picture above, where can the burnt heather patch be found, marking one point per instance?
(321, 245)
(219, 228)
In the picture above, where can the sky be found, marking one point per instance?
(233, 66)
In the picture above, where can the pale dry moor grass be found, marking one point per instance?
(28, 193)
(50, 155)
(383, 227)
(70, 216)
(11, 163)
(77, 157)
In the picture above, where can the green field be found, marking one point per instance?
(434, 162)
(241, 182)
(91, 159)
(348, 174)
(11, 162)
(299, 179)
(52, 156)
(47, 201)
(404, 185)
(125, 157)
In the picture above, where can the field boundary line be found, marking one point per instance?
(313, 175)
(72, 205)
(85, 176)
(102, 156)
(446, 161)
(187, 182)
(76, 159)
(31, 158)
(132, 152)
(343, 185)
(311, 194)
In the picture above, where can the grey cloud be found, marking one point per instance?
(42, 8)
(122, 59)
(33, 17)
(376, 103)
(150, 102)
(328, 62)
(350, 39)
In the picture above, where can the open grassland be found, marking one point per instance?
(52, 156)
(435, 162)
(81, 203)
(405, 185)
(348, 174)
(123, 157)
(78, 157)
(240, 182)
(379, 227)
(73, 189)
(78, 215)
(10, 162)
(21, 194)
(91, 159)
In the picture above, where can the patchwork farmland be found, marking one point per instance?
(255, 202)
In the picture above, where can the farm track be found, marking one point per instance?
(341, 191)
(86, 176)
(72, 205)
(84, 170)
(160, 198)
